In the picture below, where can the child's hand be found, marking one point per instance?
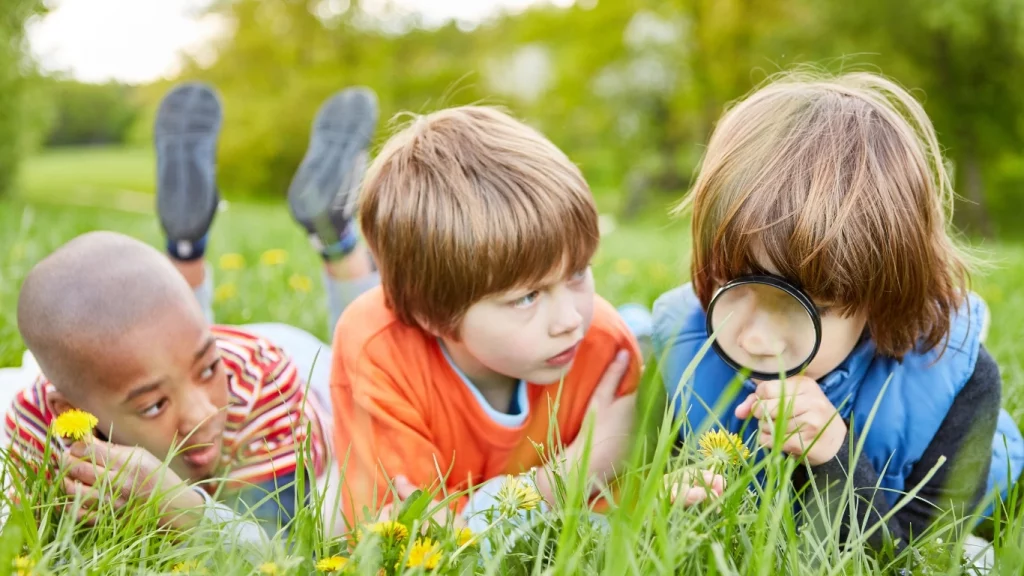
(812, 418)
(710, 485)
(405, 489)
(612, 427)
(101, 470)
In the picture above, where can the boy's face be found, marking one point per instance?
(530, 334)
(160, 383)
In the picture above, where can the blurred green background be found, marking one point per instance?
(628, 88)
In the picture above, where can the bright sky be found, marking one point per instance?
(140, 40)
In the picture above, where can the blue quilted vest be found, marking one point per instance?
(919, 394)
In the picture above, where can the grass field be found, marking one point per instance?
(70, 192)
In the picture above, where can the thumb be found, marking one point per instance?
(609, 384)
(404, 488)
(97, 451)
(743, 410)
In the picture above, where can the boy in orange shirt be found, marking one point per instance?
(486, 317)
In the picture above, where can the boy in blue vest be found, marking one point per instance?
(836, 189)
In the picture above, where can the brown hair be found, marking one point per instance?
(468, 202)
(840, 183)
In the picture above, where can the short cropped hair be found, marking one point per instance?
(841, 184)
(468, 202)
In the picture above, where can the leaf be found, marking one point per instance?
(413, 508)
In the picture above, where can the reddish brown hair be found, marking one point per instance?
(466, 203)
(840, 183)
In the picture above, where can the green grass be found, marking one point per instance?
(121, 177)
(644, 535)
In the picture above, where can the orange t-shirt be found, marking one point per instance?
(401, 408)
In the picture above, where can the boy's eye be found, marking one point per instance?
(526, 300)
(154, 410)
(824, 309)
(209, 371)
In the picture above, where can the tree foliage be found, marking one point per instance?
(15, 83)
(630, 89)
(90, 113)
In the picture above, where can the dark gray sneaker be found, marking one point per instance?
(323, 192)
(185, 134)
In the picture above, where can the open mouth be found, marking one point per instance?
(201, 456)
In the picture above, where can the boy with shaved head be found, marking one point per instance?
(124, 332)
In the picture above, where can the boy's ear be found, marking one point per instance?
(57, 403)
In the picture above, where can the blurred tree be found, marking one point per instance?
(287, 56)
(968, 58)
(90, 113)
(630, 89)
(15, 69)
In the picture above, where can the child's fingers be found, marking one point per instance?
(745, 408)
(403, 487)
(85, 472)
(86, 496)
(695, 495)
(792, 443)
(791, 426)
(714, 481)
(609, 384)
(386, 512)
(86, 516)
(82, 514)
(98, 451)
(793, 386)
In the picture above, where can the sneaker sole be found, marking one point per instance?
(185, 134)
(342, 131)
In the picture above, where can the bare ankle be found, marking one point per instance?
(355, 265)
(194, 271)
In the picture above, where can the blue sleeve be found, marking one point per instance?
(272, 503)
(669, 319)
(708, 397)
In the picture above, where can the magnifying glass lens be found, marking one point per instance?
(766, 327)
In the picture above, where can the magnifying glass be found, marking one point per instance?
(764, 325)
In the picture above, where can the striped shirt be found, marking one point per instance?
(269, 416)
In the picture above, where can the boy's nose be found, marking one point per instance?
(197, 414)
(758, 338)
(565, 317)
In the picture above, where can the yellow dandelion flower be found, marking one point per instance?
(332, 564)
(232, 261)
(425, 553)
(354, 537)
(274, 257)
(225, 291)
(300, 283)
(74, 424)
(723, 447)
(463, 536)
(517, 495)
(390, 529)
(23, 566)
(190, 567)
(624, 267)
(269, 568)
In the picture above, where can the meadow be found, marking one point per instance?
(270, 274)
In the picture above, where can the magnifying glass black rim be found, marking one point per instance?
(788, 288)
